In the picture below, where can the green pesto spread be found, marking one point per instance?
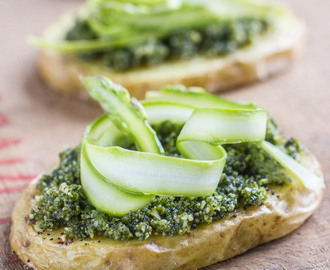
(247, 179)
(217, 39)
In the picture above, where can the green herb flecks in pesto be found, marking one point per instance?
(213, 40)
(248, 174)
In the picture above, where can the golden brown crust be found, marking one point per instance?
(201, 247)
(267, 56)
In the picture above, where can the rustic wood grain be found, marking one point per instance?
(36, 124)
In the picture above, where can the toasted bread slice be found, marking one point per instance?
(281, 214)
(268, 55)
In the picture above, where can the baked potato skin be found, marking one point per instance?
(268, 56)
(281, 214)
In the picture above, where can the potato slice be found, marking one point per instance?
(281, 214)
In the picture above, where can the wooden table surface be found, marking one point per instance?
(35, 124)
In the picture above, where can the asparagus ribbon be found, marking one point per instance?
(129, 23)
(209, 123)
